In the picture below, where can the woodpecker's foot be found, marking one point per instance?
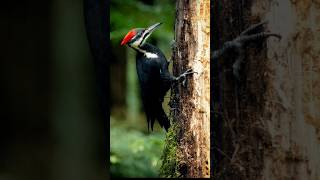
(255, 32)
(251, 34)
(254, 27)
(184, 75)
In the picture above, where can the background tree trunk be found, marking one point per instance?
(271, 119)
(187, 151)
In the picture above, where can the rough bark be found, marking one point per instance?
(240, 151)
(271, 118)
(292, 106)
(190, 134)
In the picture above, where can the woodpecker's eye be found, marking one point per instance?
(140, 33)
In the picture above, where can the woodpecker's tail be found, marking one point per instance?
(162, 118)
(154, 111)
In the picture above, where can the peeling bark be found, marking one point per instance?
(191, 103)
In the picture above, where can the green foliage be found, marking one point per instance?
(128, 14)
(134, 154)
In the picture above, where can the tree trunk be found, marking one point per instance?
(271, 119)
(118, 65)
(187, 151)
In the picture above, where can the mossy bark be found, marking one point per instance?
(169, 157)
(190, 136)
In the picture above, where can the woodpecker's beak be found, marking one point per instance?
(150, 29)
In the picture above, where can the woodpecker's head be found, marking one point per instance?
(136, 37)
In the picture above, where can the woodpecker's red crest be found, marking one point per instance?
(128, 37)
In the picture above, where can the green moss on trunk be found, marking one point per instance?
(169, 167)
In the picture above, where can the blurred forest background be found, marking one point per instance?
(133, 151)
(50, 128)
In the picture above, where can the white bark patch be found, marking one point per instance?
(293, 98)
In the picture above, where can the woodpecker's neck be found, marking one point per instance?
(146, 49)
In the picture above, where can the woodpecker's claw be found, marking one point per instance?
(183, 76)
(251, 34)
(189, 71)
(254, 33)
(253, 28)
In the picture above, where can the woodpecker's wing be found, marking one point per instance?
(165, 77)
(149, 79)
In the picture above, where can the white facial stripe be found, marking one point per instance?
(136, 43)
(147, 54)
(146, 38)
(141, 40)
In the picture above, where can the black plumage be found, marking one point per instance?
(155, 81)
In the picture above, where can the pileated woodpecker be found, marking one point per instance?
(154, 77)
